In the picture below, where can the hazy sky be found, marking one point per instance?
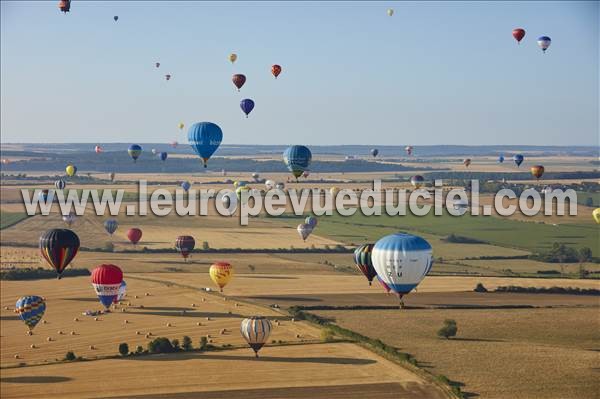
(434, 73)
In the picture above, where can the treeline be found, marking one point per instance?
(499, 176)
(38, 273)
(549, 290)
(456, 239)
(561, 253)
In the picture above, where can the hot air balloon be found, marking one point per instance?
(229, 201)
(280, 186)
(69, 219)
(460, 206)
(64, 6)
(467, 162)
(362, 258)
(30, 309)
(276, 70)
(221, 273)
(163, 156)
(255, 176)
(122, 292)
(134, 151)
(311, 221)
(111, 176)
(269, 184)
(596, 215)
(390, 12)
(417, 181)
(205, 138)
(518, 159)
(238, 80)
(106, 280)
(544, 42)
(186, 186)
(157, 64)
(44, 194)
(239, 192)
(247, 105)
(232, 57)
(174, 144)
(374, 152)
(111, 225)
(306, 173)
(153, 151)
(97, 149)
(180, 125)
(304, 230)
(60, 184)
(297, 159)
(116, 18)
(134, 235)
(256, 331)
(501, 159)
(333, 191)
(168, 77)
(71, 170)
(402, 261)
(59, 247)
(518, 34)
(409, 150)
(185, 245)
(537, 171)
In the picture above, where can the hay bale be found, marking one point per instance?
(95, 319)
(297, 335)
(203, 299)
(125, 321)
(168, 324)
(29, 332)
(49, 339)
(137, 333)
(123, 310)
(208, 319)
(16, 356)
(193, 305)
(76, 319)
(44, 321)
(72, 332)
(92, 347)
(136, 297)
(147, 294)
(32, 346)
(198, 324)
(59, 332)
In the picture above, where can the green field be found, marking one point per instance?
(8, 219)
(528, 236)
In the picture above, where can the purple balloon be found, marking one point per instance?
(247, 106)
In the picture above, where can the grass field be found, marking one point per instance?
(8, 219)
(517, 353)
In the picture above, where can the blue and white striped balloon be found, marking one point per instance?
(60, 184)
(544, 42)
(402, 261)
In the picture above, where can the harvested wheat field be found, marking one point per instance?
(292, 367)
(498, 353)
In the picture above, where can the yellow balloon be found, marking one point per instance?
(221, 273)
(333, 191)
(71, 170)
(596, 215)
(232, 57)
(180, 125)
(390, 12)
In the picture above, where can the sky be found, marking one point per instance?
(433, 73)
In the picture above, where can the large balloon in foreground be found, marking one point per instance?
(59, 247)
(304, 230)
(185, 245)
(362, 258)
(71, 170)
(276, 70)
(106, 280)
(205, 138)
(247, 105)
(232, 57)
(31, 309)
(111, 225)
(238, 80)
(537, 171)
(297, 158)
(134, 151)
(518, 159)
(544, 42)
(518, 34)
(374, 152)
(221, 273)
(596, 215)
(134, 235)
(402, 261)
(256, 331)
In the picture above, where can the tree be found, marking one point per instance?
(160, 345)
(186, 343)
(480, 288)
(70, 356)
(448, 330)
(203, 343)
(124, 349)
(175, 344)
(205, 246)
(589, 201)
(585, 254)
(139, 349)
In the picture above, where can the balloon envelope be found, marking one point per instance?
(71, 170)
(186, 186)
(247, 105)
(232, 57)
(311, 221)
(122, 291)
(297, 158)
(374, 152)
(256, 331)
(402, 261)
(362, 259)
(31, 309)
(238, 80)
(221, 273)
(205, 138)
(134, 151)
(304, 230)
(60, 184)
(106, 280)
(544, 42)
(417, 181)
(134, 235)
(518, 159)
(111, 226)
(276, 70)
(59, 247)
(501, 159)
(163, 156)
(518, 34)
(185, 245)
(537, 171)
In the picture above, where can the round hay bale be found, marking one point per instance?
(125, 321)
(193, 305)
(297, 335)
(92, 347)
(168, 324)
(237, 304)
(137, 333)
(147, 294)
(59, 332)
(203, 299)
(293, 320)
(49, 339)
(29, 332)
(16, 356)
(208, 319)
(6, 308)
(198, 324)
(141, 306)
(136, 297)
(210, 341)
(44, 321)
(123, 310)
(72, 332)
(32, 346)
(76, 319)
(95, 319)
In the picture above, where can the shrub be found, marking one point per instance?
(186, 343)
(203, 343)
(139, 349)
(448, 330)
(480, 288)
(109, 246)
(251, 267)
(327, 335)
(160, 345)
(175, 344)
(124, 349)
(70, 356)
(205, 246)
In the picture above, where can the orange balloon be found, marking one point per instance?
(537, 171)
(276, 70)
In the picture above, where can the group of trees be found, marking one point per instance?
(30, 273)
(164, 345)
(560, 253)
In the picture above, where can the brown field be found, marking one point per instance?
(498, 353)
